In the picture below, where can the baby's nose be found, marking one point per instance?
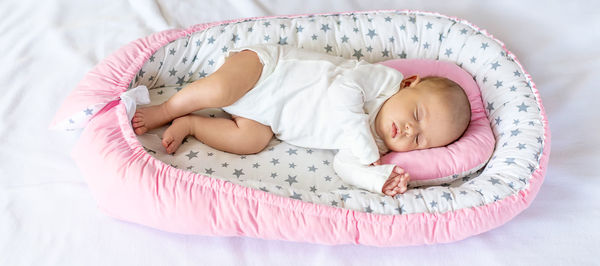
(408, 130)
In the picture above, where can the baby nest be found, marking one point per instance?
(215, 196)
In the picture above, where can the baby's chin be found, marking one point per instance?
(402, 150)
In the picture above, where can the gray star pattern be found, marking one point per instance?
(498, 84)
(192, 154)
(296, 196)
(433, 204)
(371, 34)
(291, 180)
(358, 54)
(448, 52)
(523, 107)
(345, 197)
(490, 107)
(495, 65)
(447, 196)
(494, 181)
(238, 173)
(515, 132)
(282, 41)
(510, 161)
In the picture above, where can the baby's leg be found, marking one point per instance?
(238, 135)
(231, 81)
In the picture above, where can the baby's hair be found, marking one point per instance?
(454, 94)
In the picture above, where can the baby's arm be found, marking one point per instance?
(370, 177)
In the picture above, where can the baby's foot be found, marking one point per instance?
(397, 183)
(174, 135)
(148, 118)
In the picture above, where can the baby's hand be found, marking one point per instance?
(397, 183)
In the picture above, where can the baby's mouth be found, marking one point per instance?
(394, 130)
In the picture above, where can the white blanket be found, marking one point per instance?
(48, 215)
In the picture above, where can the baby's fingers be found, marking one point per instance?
(398, 170)
(403, 185)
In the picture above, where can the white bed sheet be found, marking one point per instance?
(48, 216)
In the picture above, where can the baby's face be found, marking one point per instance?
(416, 118)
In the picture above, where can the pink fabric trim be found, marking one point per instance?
(130, 184)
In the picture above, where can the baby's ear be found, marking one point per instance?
(410, 81)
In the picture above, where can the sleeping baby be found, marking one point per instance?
(315, 100)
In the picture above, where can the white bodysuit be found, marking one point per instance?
(316, 100)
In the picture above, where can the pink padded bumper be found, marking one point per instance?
(130, 184)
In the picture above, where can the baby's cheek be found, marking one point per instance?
(398, 147)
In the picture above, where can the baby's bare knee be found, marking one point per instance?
(252, 137)
(252, 144)
(248, 148)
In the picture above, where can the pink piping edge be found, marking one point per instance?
(107, 107)
(527, 195)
